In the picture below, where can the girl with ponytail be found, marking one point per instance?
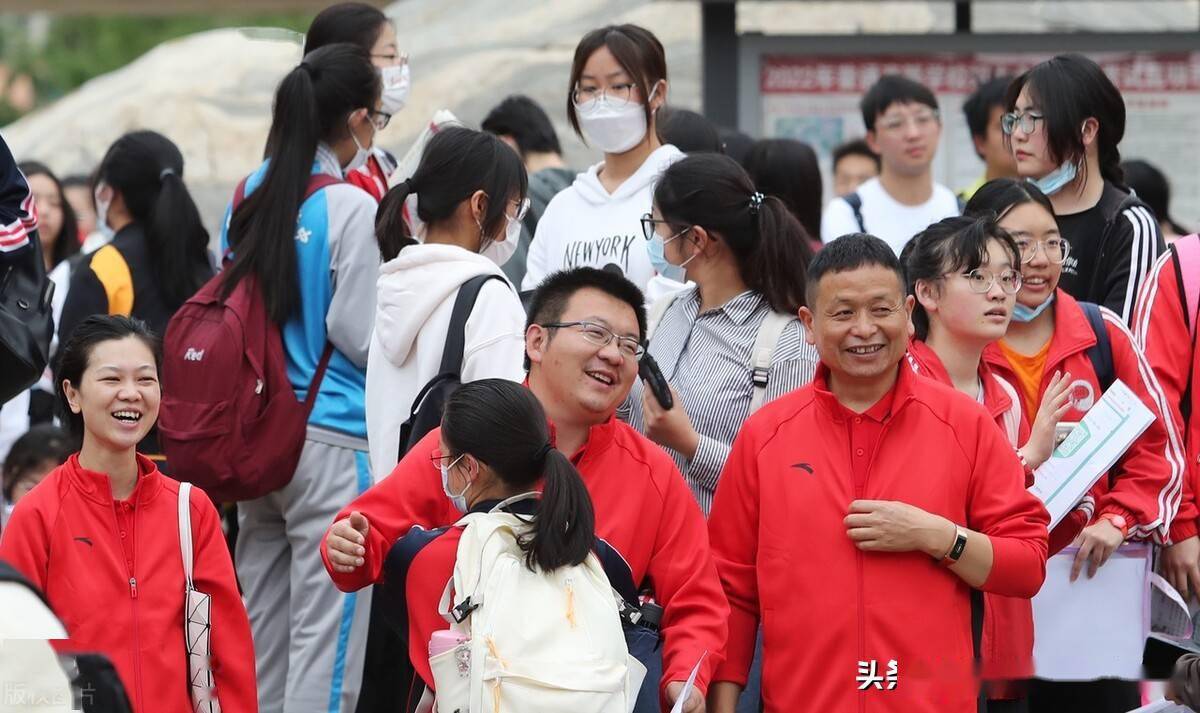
(747, 255)
(495, 444)
(1064, 122)
(306, 238)
(158, 255)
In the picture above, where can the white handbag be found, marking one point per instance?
(197, 611)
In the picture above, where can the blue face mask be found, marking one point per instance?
(1054, 181)
(459, 500)
(1021, 313)
(658, 258)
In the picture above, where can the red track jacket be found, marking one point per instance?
(643, 509)
(1149, 477)
(1161, 326)
(113, 572)
(827, 608)
(1007, 621)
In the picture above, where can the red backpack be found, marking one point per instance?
(229, 420)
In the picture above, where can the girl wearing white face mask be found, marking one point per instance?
(618, 84)
(470, 190)
(1064, 122)
(305, 236)
(368, 28)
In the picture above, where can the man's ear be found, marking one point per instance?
(806, 318)
(536, 339)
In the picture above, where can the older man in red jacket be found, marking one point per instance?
(585, 332)
(856, 515)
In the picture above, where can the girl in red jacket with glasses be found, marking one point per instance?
(98, 535)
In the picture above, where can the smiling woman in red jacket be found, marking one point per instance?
(96, 534)
(964, 274)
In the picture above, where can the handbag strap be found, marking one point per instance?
(185, 531)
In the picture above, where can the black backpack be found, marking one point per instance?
(427, 407)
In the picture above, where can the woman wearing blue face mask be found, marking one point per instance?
(747, 256)
(1064, 122)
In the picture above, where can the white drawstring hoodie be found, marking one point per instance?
(416, 295)
(585, 225)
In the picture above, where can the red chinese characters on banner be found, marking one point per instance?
(961, 73)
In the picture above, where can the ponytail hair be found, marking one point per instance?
(502, 425)
(146, 168)
(788, 170)
(771, 247)
(456, 162)
(312, 104)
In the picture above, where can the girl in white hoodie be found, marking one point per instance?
(618, 83)
(471, 196)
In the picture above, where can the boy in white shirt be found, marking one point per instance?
(903, 127)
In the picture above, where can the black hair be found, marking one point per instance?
(312, 104)
(688, 131)
(456, 162)
(735, 144)
(1151, 186)
(67, 242)
(638, 52)
(73, 356)
(856, 147)
(354, 22)
(978, 107)
(999, 196)
(146, 168)
(526, 122)
(892, 89)
(1068, 90)
(850, 252)
(769, 244)
(501, 424)
(788, 169)
(951, 245)
(41, 443)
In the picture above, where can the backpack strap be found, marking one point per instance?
(1186, 254)
(657, 311)
(1099, 353)
(316, 182)
(855, 202)
(111, 269)
(456, 335)
(314, 386)
(763, 352)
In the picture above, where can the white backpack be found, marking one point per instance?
(535, 641)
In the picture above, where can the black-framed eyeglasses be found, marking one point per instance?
(981, 281)
(378, 118)
(602, 336)
(1026, 120)
(650, 227)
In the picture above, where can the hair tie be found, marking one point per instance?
(756, 200)
(544, 451)
(168, 171)
(412, 185)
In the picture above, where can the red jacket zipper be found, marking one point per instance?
(137, 651)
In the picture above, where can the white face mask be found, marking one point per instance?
(613, 129)
(502, 251)
(102, 214)
(459, 500)
(396, 83)
(360, 154)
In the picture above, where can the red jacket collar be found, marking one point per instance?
(924, 360)
(96, 485)
(599, 436)
(901, 393)
(1072, 335)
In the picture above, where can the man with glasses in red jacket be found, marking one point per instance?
(856, 515)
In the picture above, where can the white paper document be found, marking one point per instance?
(1069, 646)
(1168, 612)
(1104, 434)
(687, 687)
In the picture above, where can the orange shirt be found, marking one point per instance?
(1028, 370)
